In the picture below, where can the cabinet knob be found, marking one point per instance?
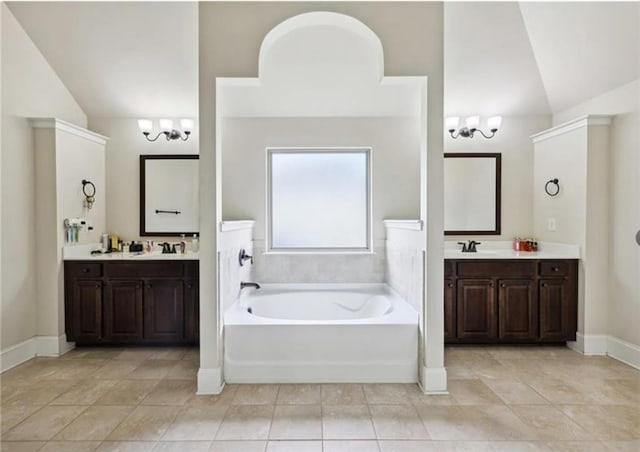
(503, 285)
(450, 285)
(490, 284)
(148, 286)
(97, 286)
(85, 270)
(555, 269)
(544, 284)
(189, 286)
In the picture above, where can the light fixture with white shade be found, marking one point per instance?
(471, 126)
(166, 129)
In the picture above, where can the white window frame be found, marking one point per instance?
(368, 151)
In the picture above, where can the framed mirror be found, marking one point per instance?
(169, 202)
(472, 193)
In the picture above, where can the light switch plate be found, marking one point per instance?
(551, 224)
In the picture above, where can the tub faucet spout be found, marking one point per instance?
(249, 284)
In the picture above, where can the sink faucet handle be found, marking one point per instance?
(464, 247)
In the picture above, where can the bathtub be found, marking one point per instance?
(320, 333)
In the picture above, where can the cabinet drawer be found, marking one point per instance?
(503, 269)
(84, 270)
(156, 269)
(554, 268)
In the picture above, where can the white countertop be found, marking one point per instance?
(83, 253)
(503, 250)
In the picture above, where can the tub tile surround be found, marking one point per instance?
(501, 398)
(320, 268)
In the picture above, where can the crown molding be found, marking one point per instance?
(59, 124)
(579, 122)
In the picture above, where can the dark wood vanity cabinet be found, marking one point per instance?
(131, 302)
(510, 301)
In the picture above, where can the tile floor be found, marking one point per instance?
(501, 399)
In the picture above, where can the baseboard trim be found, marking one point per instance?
(623, 351)
(17, 354)
(590, 344)
(210, 381)
(50, 346)
(434, 380)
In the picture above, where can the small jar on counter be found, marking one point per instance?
(517, 244)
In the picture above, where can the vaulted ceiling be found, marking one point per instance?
(135, 59)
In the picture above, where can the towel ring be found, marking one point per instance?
(89, 198)
(548, 187)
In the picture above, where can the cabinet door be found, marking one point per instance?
(163, 311)
(517, 309)
(123, 311)
(449, 309)
(476, 309)
(86, 311)
(555, 310)
(191, 311)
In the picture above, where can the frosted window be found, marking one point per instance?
(319, 199)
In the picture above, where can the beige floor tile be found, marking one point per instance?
(171, 392)
(225, 398)
(350, 446)
(183, 370)
(152, 369)
(465, 353)
(70, 446)
(463, 423)
(238, 446)
(199, 423)
(299, 394)
(294, 446)
(44, 424)
(171, 353)
(472, 392)
(416, 446)
(116, 369)
(397, 422)
(607, 422)
(92, 353)
(246, 422)
(126, 446)
(127, 392)
(39, 393)
(78, 369)
(499, 446)
(14, 414)
(389, 394)
(549, 423)
(21, 446)
(343, 394)
(136, 354)
(417, 397)
(577, 446)
(514, 392)
(608, 392)
(85, 392)
(296, 422)
(347, 422)
(147, 423)
(183, 446)
(558, 391)
(256, 395)
(95, 424)
(622, 446)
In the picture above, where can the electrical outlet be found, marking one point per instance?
(551, 224)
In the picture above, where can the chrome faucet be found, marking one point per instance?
(249, 284)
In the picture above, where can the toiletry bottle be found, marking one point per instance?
(105, 241)
(194, 244)
(114, 242)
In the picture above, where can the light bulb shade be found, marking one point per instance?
(452, 122)
(145, 125)
(494, 122)
(186, 125)
(166, 125)
(473, 122)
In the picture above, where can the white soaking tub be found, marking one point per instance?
(320, 333)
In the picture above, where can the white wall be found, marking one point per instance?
(395, 144)
(512, 141)
(30, 88)
(623, 200)
(418, 50)
(126, 144)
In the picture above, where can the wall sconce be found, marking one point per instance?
(166, 128)
(471, 126)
